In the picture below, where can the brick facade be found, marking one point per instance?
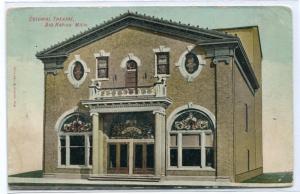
(220, 87)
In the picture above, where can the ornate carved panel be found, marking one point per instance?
(132, 126)
(77, 122)
(192, 119)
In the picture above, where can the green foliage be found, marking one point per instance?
(31, 174)
(284, 177)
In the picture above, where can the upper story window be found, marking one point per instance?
(102, 67)
(162, 63)
(131, 65)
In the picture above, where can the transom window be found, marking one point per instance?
(75, 141)
(102, 67)
(191, 140)
(162, 63)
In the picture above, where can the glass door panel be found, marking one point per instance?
(118, 158)
(143, 158)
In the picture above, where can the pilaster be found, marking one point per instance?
(225, 123)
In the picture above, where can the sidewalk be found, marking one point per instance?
(17, 183)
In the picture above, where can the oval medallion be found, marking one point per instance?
(191, 63)
(78, 71)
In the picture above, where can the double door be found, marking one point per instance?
(130, 158)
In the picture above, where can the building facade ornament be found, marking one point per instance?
(102, 53)
(161, 111)
(219, 59)
(132, 126)
(77, 123)
(190, 64)
(129, 57)
(191, 120)
(77, 71)
(174, 115)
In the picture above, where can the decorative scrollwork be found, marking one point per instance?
(192, 120)
(132, 126)
(77, 123)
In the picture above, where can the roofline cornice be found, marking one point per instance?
(236, 44)
(131, 17)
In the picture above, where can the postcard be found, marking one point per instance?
(149, 97)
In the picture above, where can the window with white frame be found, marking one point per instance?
(75, 141)
(191, 140)
(102, 67)
(162, 63)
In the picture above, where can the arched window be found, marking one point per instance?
(191, 138)
(75, 140)
(131, 74)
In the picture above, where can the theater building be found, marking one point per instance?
(145, 99)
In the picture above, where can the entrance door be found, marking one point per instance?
(141, 157)
(131, 74)
(143, 162)
(118, 158)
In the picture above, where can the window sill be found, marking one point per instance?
(100, 79)
(162, 75)
(191, 168)
(74, 167)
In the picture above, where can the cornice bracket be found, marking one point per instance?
(52, 64)
(219, 59)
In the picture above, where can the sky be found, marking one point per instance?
(25, 73)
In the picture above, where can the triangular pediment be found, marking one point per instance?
(156, 25)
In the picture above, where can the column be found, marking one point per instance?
(158, 142)
(101, 145)
(95, 118)
(163, 144)
(203, 154)
(130, 162)
(179, 150)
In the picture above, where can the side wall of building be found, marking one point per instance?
(252, 139)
